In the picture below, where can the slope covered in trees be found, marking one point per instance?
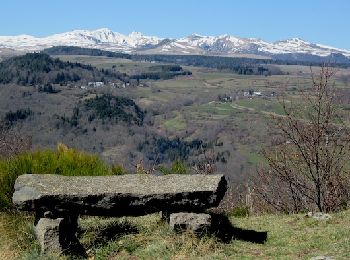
(114, 107)
(106, 107)
(40, 68)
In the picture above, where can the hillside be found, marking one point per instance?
(211, 107)
(39, 68)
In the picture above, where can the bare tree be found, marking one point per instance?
(11, 142)
(205, 163)
(307, 162)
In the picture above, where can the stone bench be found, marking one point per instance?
(59, 200)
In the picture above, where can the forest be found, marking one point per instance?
(39, 69)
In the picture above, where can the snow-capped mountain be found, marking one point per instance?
(101, 38)
(226, 45)
(230, 45)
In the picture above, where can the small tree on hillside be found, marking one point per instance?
(307, 162)
(11, 142)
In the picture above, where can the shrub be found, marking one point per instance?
(178, 167)
(118, 170)
(20, 114)
(63, 161)
(240, 212)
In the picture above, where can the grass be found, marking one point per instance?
(177, 123)
(64, 161)
(16, 235)
(253, 157)
(147, 237)
(295, 236)
(216, 108)
(262, 105)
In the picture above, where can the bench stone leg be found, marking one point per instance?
(198, 223)
(165, 216)
(57, 235)
(49, 233)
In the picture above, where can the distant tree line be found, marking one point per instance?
(158, 72)
(242, 66)
(236, 64)
(160, 75)
(166, 68)
(73, 50)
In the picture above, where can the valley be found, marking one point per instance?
(216, 108)
(174, 130)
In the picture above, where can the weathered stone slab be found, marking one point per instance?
(125, 195)
(198, 223)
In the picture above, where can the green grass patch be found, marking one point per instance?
(63, 161)
(215, 108)
(261, 104)
(177, 123)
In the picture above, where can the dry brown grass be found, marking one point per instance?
(16, 234)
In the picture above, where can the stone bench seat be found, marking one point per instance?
(58, 200)
(124, 195)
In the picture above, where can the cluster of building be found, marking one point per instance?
(100, 84)
(244, 94)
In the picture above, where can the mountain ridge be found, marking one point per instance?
(136, 42)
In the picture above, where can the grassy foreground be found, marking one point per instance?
(289, 237)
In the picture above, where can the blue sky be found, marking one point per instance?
(319, 21)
